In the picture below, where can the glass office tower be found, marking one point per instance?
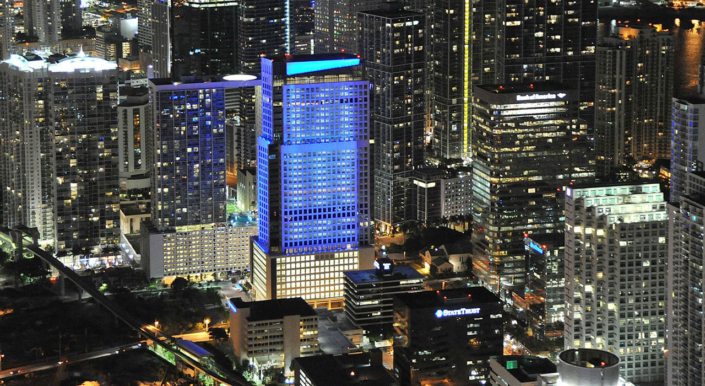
(313, 178)
(528, 144)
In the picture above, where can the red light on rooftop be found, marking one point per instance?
(444, 298)
(469, 295)
(531, 85)
(342, 50)
(358, 56)
(603, 364)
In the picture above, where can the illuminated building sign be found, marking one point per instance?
(535, 247)
(385, 266)
(541, 97)
(568, 192)
(458, 312)
(294, 68)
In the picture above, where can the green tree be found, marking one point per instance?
(179, 284)
(218, 334)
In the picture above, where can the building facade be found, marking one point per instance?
(204, 38)
(369, 293)
(272, 333)
(61, 165)
(313, 177)
(456, 196)
(262, 31)
(133, 138)
(538, 41)
(206, 252)
(153, 17)
(391, 44)
(446, 337)
(27, 146)
(528, 144)
(615, 275)
(191, 232)
(684, 328)
(634, 86)
(336, 24)
(687, 149)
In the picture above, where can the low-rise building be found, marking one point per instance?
(446, 336)
(369, 293)
(247, 189)
(271, 333)
(342, 370)
(458, 255)
(205, 252)
(517, 370)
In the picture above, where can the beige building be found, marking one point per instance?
(271, 333)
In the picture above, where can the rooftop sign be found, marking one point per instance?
(458, 312)
(541, 97)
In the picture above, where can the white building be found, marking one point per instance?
(60, 143)
(687, 147)
(685, 320)
(271, 333)
(202, 252)
(615, 275)
(456, 196)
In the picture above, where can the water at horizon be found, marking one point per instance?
(689, 44)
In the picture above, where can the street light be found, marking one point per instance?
(156, 324)
(206, 321)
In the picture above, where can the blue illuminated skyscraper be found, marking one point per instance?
(313, 178)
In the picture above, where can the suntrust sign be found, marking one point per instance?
(541, 97)
(459, 312)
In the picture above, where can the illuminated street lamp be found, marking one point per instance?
(156, 324)
(206, 321)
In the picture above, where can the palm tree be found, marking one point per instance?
(444, 221)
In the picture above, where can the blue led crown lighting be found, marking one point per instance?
(294, 68)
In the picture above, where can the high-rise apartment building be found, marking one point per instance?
(153, 18)
(43, 21)
(685, 321)
(528, 144)
(204, 38)
(451, 78)
(687, 147)
(27, 176)
(83, 97)
(191, 232)
(391, 44)
(446, 337)
(634, 83)
(262, 31)
(313, 168)
(336, 24)
(615, 274)
(301, 27)
(133, 136)
(71, 18)
(59, 122)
